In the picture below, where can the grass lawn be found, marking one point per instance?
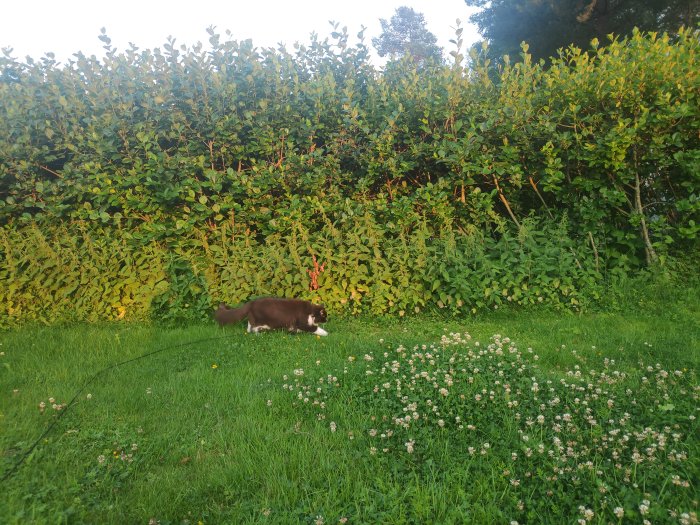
(561, 418)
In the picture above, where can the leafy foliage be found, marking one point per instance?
(186, 298)
(550, 25)
(406, 35)
(418, 187)
(368, 268)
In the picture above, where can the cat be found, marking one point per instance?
(269, 313)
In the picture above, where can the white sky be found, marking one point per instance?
(34, 27)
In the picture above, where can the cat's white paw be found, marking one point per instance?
(257, 329)
(320, 331)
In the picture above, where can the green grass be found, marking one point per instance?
(209, 448)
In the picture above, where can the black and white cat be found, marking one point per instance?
(269, 313)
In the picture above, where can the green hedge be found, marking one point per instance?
(156, 182)
(65, 274)
(175, 141)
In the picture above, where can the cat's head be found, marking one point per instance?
(320, 314)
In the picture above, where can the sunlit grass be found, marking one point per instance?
(208, 433)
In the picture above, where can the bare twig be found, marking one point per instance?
(505, 201)
(534, 187)
(52, 172)
(595, 251)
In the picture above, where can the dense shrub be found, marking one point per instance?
(60, 274)
(228, 169)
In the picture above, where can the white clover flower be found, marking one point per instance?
(587, 513)
(644, 507)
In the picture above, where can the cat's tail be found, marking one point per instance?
(227, 315)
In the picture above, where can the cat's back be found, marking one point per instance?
(279, 302)
(278, 309)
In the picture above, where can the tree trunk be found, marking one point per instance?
(649, 251)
